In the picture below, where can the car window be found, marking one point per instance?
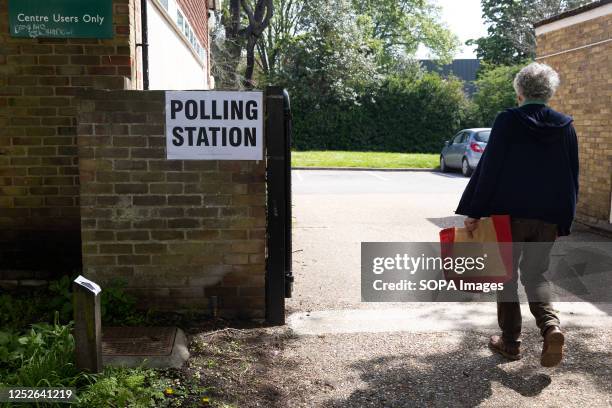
(466, 136)
(458, 138)
(482, 136)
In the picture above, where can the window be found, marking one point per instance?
(179, 19)
(184, 27)
(458, 138)
(483, 136)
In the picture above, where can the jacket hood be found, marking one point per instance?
(541, 121)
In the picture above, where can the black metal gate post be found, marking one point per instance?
(288, 214)
(278, 180)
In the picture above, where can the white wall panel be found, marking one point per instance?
(172, 64)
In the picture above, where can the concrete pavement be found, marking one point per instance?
(334, 211)
(436, 317)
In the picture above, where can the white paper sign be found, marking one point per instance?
(214, 125)
(92, 286)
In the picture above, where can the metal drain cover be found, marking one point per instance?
(138, 341)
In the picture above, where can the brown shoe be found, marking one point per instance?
(511, 352)
(552, 351)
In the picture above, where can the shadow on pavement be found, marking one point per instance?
(463, 376)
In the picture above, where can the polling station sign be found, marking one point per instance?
(214, 125)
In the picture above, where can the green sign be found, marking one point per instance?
(61, 18)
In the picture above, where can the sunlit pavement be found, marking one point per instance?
(334, 211)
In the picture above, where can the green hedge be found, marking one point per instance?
(402, 115)
(495, 92)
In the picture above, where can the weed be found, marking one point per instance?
(118, 307)
(61, 298)
(42, 357)
(123, 387)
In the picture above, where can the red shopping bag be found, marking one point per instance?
(493, 237)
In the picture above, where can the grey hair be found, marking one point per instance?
(536, 81)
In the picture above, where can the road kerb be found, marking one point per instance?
(365, 169)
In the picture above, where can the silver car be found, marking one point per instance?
(464, 150)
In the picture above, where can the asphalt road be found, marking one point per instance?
(324, 182)
(334, 211)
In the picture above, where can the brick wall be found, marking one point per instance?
(178, 231)
(39, 194)
(585, 93)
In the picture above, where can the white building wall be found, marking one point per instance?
(173, 64)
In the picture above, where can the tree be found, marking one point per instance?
(494, 93)
(389, 30)
(227, 50)
(283, 27)
(510, 37)
(226, 47)
(398, 27)
(330, 57)
(259, 18)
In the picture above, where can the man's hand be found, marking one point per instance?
(470, 225)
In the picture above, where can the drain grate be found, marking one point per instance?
(138, 341)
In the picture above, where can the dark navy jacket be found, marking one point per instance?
(529, 168)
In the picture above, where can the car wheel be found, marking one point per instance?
(443, 167)
(466, 170)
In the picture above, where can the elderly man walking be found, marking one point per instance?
(529, 171)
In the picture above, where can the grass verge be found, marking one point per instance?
(364, 159)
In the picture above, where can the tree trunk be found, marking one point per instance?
(250, 63)
(259, 13)
(259, 19)
(233, 41)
